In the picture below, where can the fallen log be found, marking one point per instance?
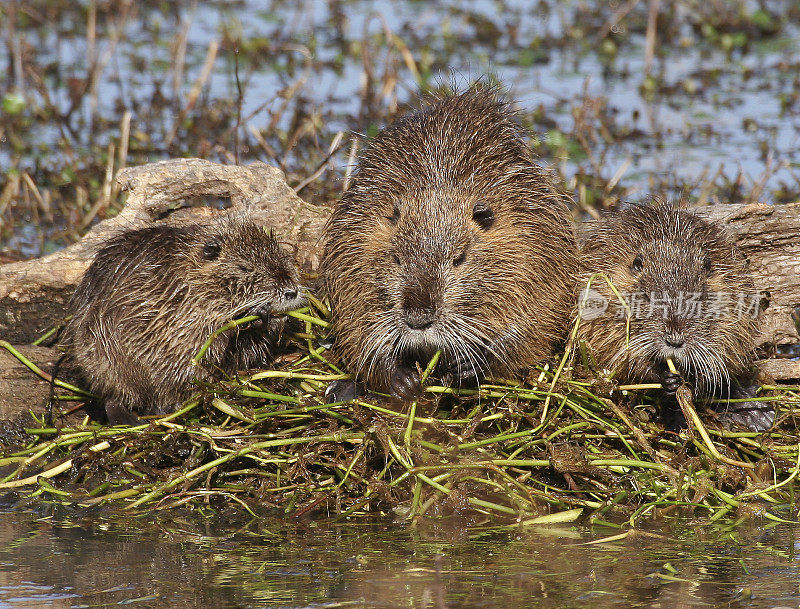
(20, 389)
(769, 235)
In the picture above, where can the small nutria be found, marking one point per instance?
(152, 297)
(450, 238)
(688, 296)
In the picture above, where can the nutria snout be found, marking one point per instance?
(153, 296)
(451, 238)
(684, 294)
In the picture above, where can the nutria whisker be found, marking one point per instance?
(474, 343)
(256, 301)
(468, 352)
(380, 337)
(714, 368)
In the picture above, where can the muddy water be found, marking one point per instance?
(711, 107)
(66, 561)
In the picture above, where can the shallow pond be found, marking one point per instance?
(715, 115)
(70, 561)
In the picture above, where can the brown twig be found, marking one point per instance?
(191, 100)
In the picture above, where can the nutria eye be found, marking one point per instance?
(396, 258)
(395, 215)
(459, 260)
(483, 215)
(707, 264)
(211, 250)
(637, 264)
(245, 269)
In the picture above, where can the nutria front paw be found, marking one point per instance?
(263, 322)
(671, 383)
(465, 371)
(755, 416)
(405, 383)
(344, 391)
(117, 414)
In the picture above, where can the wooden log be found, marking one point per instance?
(34, 293)
(781, 369)
(20, 389)
(769, 235)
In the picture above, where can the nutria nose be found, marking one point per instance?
(290, 294)
(419, 319)
(674, 340)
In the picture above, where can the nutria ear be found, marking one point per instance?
(211, 250)
(483, 215)
(637, 264)
(707, 264)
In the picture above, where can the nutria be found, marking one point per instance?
(151, 298)
(450, 238)
(688, 296)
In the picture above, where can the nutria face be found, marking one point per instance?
(433, 284)
(688, 294)
(461, 270)
(243, 271)
(680, 306)
(151, 298)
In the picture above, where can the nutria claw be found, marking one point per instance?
(264, 315)
(344, 391)
(118, 414)
(264, 312)
(671, 382)
(405, 386)
(405, 383)
(464, 370)
(754, 415)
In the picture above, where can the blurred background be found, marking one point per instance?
(625, 99)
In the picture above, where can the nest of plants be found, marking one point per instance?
(552, 447)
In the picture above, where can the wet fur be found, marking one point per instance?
(152, 297)
(679, 253)
(449, 219)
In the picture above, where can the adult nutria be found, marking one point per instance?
(688, 297)
(152, 297)
(450, 238)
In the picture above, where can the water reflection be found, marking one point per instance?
(61, 561)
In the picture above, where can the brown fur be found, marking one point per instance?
(679, 253)
(152, 297)
(449, 226)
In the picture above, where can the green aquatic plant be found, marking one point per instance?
(553, 446)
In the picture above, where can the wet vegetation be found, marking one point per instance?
(699, 99)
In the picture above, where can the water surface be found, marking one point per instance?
(67, 560)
